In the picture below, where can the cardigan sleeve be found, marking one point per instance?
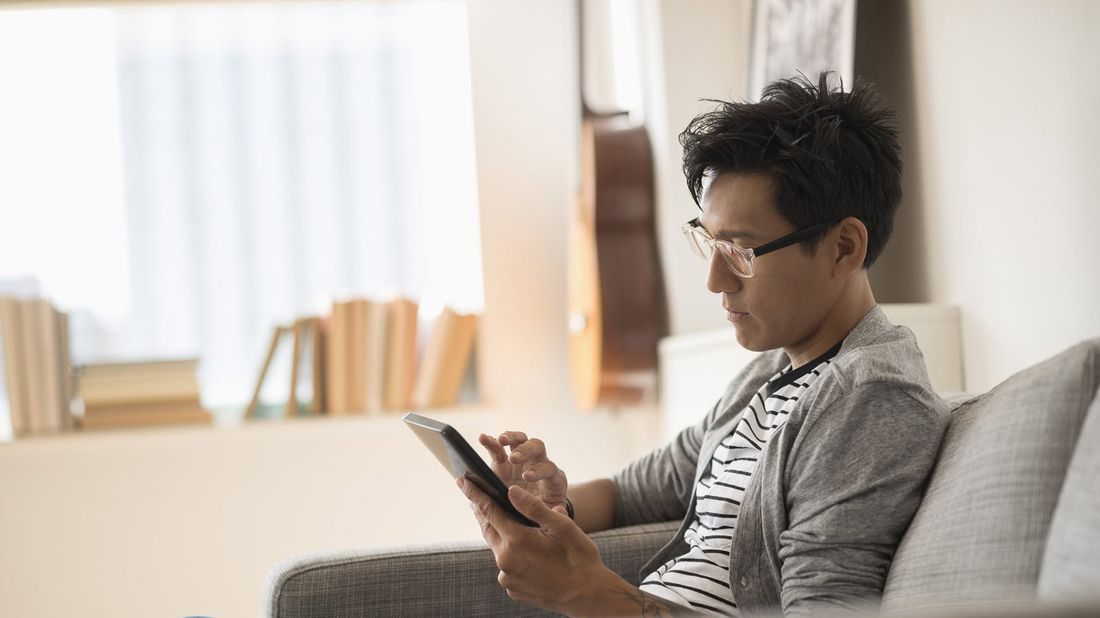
(658, 486)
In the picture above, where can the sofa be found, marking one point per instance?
(1010, 519)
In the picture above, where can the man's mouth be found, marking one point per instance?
(733, 316)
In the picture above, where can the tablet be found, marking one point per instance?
(460, 459)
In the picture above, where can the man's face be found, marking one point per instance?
(787, 299)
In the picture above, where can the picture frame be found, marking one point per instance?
(801, 36)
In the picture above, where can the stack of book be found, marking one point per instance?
(36, 365)
(134, 394)
(368, 356)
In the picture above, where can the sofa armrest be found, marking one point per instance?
(453, 579)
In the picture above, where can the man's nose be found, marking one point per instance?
(720, 278)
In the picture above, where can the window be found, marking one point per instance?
(181, 178)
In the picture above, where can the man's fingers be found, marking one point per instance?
(488, 532)
(531, 450)
(512, 439)
(496, 451)
(540, 471)
(534, 508)
(485, 510)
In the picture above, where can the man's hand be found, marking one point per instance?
(553, 566)
(556, 566)
(527, 466)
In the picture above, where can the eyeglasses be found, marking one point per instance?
(740, 259)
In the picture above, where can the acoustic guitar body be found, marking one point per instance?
(617, 304)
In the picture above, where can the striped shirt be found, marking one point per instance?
(701, 578)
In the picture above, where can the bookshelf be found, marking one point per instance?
(364, 358)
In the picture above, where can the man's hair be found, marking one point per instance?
(830, 154)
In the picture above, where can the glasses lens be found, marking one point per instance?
(703, 246)
(738, 261)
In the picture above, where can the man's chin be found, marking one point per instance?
(751, 341)
(745, 339)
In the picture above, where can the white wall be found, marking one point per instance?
(704, 50)
(1001, 154)
(525, 116)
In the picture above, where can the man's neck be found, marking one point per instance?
(845, 314)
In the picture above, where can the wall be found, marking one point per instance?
(523, 72)
(704, 46)
(1000, 149)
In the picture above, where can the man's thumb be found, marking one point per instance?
(533, 508)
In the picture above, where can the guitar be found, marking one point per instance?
(617, 303)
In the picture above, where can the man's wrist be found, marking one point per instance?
(608, 594)
(597, 595)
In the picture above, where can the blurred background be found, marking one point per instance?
(178, 179)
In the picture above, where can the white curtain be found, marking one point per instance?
(270, 158)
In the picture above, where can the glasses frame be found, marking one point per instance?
(698, 237)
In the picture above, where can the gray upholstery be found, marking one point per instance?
(1071, 568)
(981, 527)
(996, 523)
(438, 580)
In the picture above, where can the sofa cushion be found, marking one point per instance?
(1071, 562)
(981, 527)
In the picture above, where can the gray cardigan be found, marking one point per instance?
(836, 486)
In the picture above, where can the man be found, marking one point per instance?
(796, 487)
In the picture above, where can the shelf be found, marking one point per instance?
(232, 419)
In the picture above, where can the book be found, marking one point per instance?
(445, 361)
(37, 366)
(178, 388)
(254, 402)
(324, 328)
(400, 353)
(141, 408)
(337, 357)
(11, 329)
(141, 415)
(68, 386)
(135, 370)
(291, 408)
(375, 349)
(140, 393)
(306, 368)
(33, 364)
(367, 355)
(137, 384)
(54, 404)
(356, 355)
(317, 358)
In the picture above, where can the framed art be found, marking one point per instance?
(801, 36)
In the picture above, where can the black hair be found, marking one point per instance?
(831, 154)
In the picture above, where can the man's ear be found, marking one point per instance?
(850, 248)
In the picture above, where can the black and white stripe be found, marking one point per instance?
(701, 578)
